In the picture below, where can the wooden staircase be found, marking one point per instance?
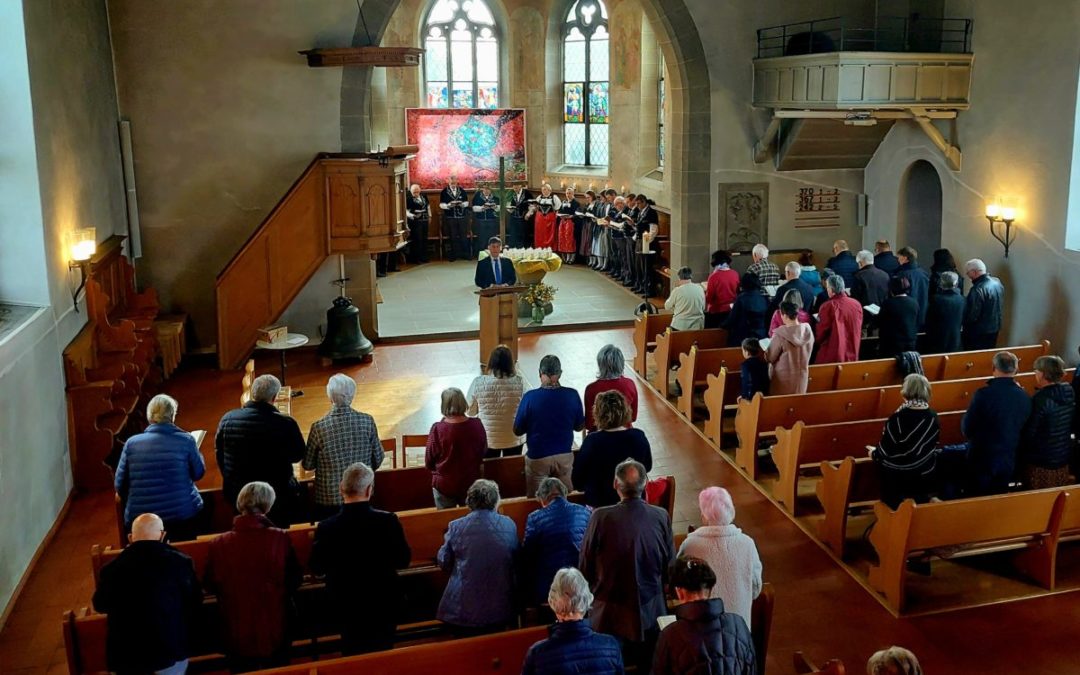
(340, 204)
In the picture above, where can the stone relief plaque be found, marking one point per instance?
(744, 215)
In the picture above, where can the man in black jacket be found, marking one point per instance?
(258, 443)
(992, 426)
(944, 317)
(843, 263)
(150, 594)
(884, 259)
(360, 550)
(871, 284)
(918, 280)
(982, 313)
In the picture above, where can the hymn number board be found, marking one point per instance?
(817, 207)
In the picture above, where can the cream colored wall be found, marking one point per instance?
(1017, 141)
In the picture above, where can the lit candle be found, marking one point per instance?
(622, 190)
(1008, 213)
(993, 210)
(590, 186)
(562, 183)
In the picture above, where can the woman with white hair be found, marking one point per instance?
(157, 472)
(893, 661)
(610, 364)
(573, 646)
(728, 550)
(253, 571)
(907, 454)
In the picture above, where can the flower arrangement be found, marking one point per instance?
(539, 294)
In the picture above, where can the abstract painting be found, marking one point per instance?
(744, 215)
(466, 143)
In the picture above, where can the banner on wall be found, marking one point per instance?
(467, 143)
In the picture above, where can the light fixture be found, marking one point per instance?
(1001, 212)
(81, 246)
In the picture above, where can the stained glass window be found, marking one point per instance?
(586, 94)
(461, 64)
(661, 100)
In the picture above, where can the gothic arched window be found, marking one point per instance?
(586, 100)
(661, 100)
(461, 64)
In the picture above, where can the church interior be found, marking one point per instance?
(197, 195)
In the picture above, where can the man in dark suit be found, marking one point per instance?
(794, 283)
(871, 284)
(519, 212)
(485, 206)
(454, 204)
(985, 303)
(494, 270)
(360, 551)
(884, 259)
(944, 317)
(993, 425)
(150, 594)
(918, 280)
(898, 320)
(625, 557)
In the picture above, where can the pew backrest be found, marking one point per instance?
(671, 343)
(646, 328)
(974, 363)
(843, 484)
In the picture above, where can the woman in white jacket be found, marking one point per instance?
(494, 398)
(731, 554)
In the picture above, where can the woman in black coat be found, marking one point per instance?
(944, 317)
(907, 454)
(1046, 447)
(704, 638)
(898, 321)
(944, 262)
(749, 313)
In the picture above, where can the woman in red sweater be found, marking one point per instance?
(455, 452)
(721, 290)
(610, 362)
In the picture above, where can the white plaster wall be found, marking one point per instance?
(1017, 141)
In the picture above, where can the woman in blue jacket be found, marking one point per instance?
(157, 473)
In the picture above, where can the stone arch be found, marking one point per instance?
(919, 215)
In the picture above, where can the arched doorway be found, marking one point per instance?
(919, 220)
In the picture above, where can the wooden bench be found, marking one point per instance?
(1029, 522)
(851, 482)
(646, 328)
(671, 343)
(763, 414)
(809, 445)
(721, 392)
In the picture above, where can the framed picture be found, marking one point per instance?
(744, 215)
(465, 142)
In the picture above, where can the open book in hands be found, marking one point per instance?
(872, 309)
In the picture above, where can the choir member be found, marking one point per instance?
(588, 224)
(454, 203)
(417, 215)
(647, 226)
(520, 211)
(603, 243)
(566, 241)
(619, 219)
(485, 206)
(544, 221)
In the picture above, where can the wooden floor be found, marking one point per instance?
(820, 609)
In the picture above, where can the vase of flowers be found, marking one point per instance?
(537, 301)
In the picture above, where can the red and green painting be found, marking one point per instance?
(467, 143)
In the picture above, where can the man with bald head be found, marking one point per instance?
(625, 556)
(150, 594)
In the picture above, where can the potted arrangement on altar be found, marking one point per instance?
(537, 300)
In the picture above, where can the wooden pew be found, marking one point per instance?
(763, 414)
(804, 666)
(1027, 521)
(969, 364)
(696, 365)
(135, 342)
(761, 617)
(849, 483)
(646, 328)
(804, 445)
(671, 343)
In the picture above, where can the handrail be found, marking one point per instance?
(889, 34)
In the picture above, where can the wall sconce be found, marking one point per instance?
(81, 246)
(997, 213)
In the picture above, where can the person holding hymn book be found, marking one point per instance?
(569, 226)
(521, 210)
(601, 451)
(610, 364)
(794, 297)
(793, 282)
(360, 550)
(898, 320)
(548, 418)
(686, 302)
(544, 226)
(553, 536)
(647, 227)
(495, 270)
(907, 454)
(456, 446)
(573, 647)
(417, 217)
(839, 328)
(704, 638)
(494, 397)
(871, 284)
(587, 216)
(754, 372)
(485, 207)
(766, 271)
(748, 318)
(945, 316)
(789, 353)
(720, 290)
(454, 203)
(618, 219)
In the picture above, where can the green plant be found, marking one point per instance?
(540, 294)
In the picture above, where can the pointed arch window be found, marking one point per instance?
(461, 64)
(661, 100)
(586, 95)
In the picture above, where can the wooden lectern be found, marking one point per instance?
(498, 319)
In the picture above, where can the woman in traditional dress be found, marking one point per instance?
(566, 241)
(588, 224)
(544, 222)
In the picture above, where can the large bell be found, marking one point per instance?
(344, 339)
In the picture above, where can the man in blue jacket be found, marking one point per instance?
(992, 425)
(157, 472)
(553, 535)
(918, 280)
(843, 262)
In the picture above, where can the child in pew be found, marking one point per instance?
(754, 375)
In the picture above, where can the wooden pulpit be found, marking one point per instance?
(498, 319)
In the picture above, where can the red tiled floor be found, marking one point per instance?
(820, 609)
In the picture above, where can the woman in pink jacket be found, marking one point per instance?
(789, 353)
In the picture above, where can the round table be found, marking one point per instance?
(291, 341)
